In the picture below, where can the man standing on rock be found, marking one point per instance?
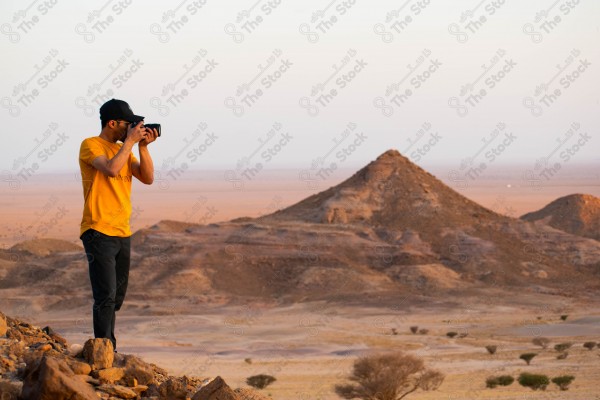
(106, 170)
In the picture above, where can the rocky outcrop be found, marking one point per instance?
(38, 364)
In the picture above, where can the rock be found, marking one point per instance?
(78, 367)
(99, 353)
(152, 391)
(89, 379)
(54, 336)
(75, 350)
(10, 390)
(172, 389)
(118, 390)
(217, 389)
(136, 368)
(3, 325)
(45, 347)
(130, 381)
(52, 379)
(109, 375)
(6, 365)
(139, 389)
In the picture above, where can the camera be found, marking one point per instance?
(149, 126)
(153, 126)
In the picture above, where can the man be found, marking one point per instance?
(106, 171)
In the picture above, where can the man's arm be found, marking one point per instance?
(144, 169)
(113, 166)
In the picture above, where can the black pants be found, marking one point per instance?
(108, 259)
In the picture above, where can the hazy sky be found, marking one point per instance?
(253, 84)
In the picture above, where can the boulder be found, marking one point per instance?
(109, 375)
(78, 367)
(217, 389)
(52, 379)
(172, 389)
(99, 353)
(135, 368)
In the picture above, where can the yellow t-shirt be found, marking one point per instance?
(107, 200)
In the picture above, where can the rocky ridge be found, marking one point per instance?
(38, 364)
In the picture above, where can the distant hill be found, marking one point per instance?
(390, 191)
(578, 214)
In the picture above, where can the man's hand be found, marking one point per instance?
(149, 137)
(135, 134)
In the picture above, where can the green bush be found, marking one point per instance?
(563, 381)
(414, 329)
(451, 334)
(260, 381)
(562, 346)
(534, 381)
(589, 345)
(491, 349)
(564, 317)
(527, 357)
(541, 341)
(502, 380)
(388, 377)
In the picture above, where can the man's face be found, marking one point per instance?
(121, 128)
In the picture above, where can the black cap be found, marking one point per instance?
(118, 109)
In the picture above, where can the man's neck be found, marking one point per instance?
(107, 136)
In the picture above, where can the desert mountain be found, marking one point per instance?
(578, 214)
(391, 231)
(392, 192)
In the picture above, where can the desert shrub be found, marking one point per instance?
(563, 381)
(248, 360)
(505, 380)
(589, 345)
(451, 334)
(394, 331)
(491, 349)
(388, 377)
(414, 329)
(562, 356)
(541, 341)
(527, 357)
(534, 381)
(563, 346)
(502, 380)
(260, 381)
(564, 317)
(423, 331)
